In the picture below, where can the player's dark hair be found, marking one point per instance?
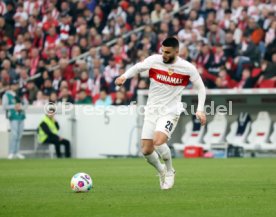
(171, 42)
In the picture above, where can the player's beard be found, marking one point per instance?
(169, 61)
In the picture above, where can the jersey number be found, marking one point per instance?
(169, 125)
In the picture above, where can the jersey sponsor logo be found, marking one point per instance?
(163, 77)
(168, 79)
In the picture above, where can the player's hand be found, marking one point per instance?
(202, 117)
(120, 81)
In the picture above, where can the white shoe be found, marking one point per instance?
(169, 180)
(162, 176)
(20, 156)
(11, 156)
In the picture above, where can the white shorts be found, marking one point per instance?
(165, 124)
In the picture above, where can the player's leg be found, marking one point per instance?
(148, 149)
(153, 159)
(151, 155)
(160, 144)
(164, 129)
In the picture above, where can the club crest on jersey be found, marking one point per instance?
(170, 71)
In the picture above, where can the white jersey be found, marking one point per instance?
(167, 81)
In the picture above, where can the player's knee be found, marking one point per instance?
(158, 142)
(146, 149)
(159, 138)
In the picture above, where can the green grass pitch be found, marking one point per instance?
(130, 188)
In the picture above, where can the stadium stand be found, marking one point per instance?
(227, 40)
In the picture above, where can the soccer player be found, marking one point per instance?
(169, 74)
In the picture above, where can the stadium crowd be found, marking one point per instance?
(232, 43)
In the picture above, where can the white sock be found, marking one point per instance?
(165, 153)
(153, 159)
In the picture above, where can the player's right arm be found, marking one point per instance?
(201, 92)
(137, 68)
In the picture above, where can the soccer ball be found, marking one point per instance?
(81, 182)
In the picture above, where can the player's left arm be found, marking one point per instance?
(137, 68)
(201, 92)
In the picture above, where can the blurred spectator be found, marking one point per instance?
(116, 12)
(111, 71)
(216, 34)
(53, 98)
(105, 99)
(271, 33)
(57, 78)
(40, 99)
(223, 80)
(3, 7)
(67, 71)
(19, 45)
(34, 61)
(23, 76)
(105, 54)
(205, 57)
(158, 13)
(5, 77)
(98, 82)
(246, 81)
(230, 47)
(83, 98)
(219, 59)
(82, 83)
(65, 96)
(31, 91)
(142, 85)
(7, 66)
(64, 26)
(268, 70)
(47, 87)
(248, 53)
(52, 39)
(20, 17)
(40, 81)
(196, 19)
(63, 84)
(120, 98)
(236, 10)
